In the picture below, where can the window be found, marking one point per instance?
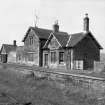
(31, 57)
(61, 57)
(19, 57)
(79, 64)
(46, 59)
(53, 57)
(30, 40)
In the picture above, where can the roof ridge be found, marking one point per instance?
(48, 29)
(77, 33)
(41, 28)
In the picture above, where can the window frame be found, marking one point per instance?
(61, 57)
(79, 64)
(46, 60)
(31, 40)
(19, 57)
(31, 57)
(53, 56)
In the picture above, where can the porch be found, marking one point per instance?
(54, 59)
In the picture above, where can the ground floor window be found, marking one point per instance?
(30, 57)
(79, 64)
(53, 57)
(19, 57)
(61, 57)
(46, 59)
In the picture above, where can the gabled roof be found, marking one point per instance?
(72, 40)
(40, 32)
(8, 48)
(62, 38)
(76, 38)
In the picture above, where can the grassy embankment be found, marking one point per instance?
(42, 91)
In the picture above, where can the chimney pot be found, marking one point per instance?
(56, 26)
(86, 23)
(86, 14)
(14, 43)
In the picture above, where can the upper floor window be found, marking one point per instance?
(61, 57)
(31, 40)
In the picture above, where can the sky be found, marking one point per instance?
(16, 16)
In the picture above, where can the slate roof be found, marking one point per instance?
(40, 32)
(9, 48)
(77, 37)
(71, 40)
(62, 38)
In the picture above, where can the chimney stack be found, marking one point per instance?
(56, 26)
(86, 23)
(14, 43)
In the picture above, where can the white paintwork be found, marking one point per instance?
(3, 50)
(72, 65)
(11, 57)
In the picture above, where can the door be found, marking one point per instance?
(45, 59)
(88, 62)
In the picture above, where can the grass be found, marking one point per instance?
(27, 89)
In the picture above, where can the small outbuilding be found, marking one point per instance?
(8, 52)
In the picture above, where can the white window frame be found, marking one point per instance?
(79, 64)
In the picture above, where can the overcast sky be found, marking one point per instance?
(17, 15)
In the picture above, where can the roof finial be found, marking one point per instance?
(56, 22)
(86, 14)
(36, 19)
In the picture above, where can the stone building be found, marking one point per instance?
(34, 40)
(75, 51)
(57, 49)
(8, 53)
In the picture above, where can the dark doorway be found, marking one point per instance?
(4, 58)
(88, 63)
